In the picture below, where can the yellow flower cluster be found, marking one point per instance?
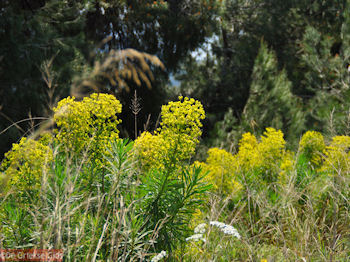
(152, 150)
(338, 156)
(265, 156)
(271, 148)
(247, 156)
(183, 117)
(177, 137)
(89, 124)
(312, 145)
(269, 161)
(25, 164)
(287, 166)
(220, 165)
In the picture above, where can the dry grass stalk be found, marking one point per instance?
(118, 68)
(135, 108)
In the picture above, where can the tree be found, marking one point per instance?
(168, 29)
(36, 34)
(62, 33)
(282, 25)
(325, 59)
(271, 102)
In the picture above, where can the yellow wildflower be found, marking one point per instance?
(287, 166)
(220, 166)
(89, 124)
(25, 164)
(247, 156)
(312, 146)
(264, 157)
(271, 149)
(177, 137)
(338, 156)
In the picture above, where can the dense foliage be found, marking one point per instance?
(273, 63)
(247, 159)
(141, 199)
(85, 163)
(70, 35)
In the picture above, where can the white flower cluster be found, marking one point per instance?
(200, 229)
(198, 233)
(159, 256)
(196, 237)
(226, 229)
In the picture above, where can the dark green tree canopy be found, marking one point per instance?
(310, 61)
(67, 35)
(46, 44)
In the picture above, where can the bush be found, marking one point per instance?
(291, 205)
(88, 194)
(24, 166)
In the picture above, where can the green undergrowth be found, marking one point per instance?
(83, 189)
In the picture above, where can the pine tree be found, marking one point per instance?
(271, 102)
(325, 60)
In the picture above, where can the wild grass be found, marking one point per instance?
(128, 216)
(123, 211)
(133, 215)
(304, 223)
(82, 223)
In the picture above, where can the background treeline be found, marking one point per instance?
(279, 63)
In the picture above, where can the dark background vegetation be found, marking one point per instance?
(298, 80)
